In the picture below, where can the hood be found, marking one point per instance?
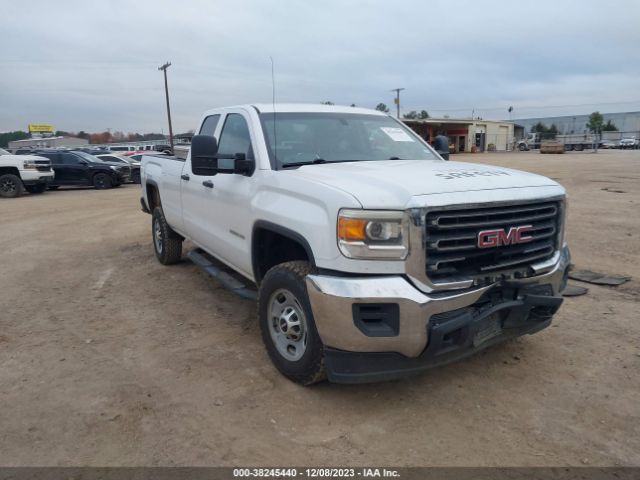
(32, 157)
(392, 183)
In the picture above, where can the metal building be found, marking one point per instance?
(626, 122)
(48, 142)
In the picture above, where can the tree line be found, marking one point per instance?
(96, 138)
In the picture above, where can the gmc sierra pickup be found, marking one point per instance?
(369, 255)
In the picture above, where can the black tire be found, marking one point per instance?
(10, 186)
(40, 188)
(290, 277)
(102, 181)
(167, 244)
(53, 187)
(522, 147)
(135, 178)
(577, 148)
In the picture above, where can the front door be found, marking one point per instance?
(216, 207)
(73, 169)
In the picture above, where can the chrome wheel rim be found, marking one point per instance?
(287, 325)
(157, 236)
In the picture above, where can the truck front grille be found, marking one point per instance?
(452, 245)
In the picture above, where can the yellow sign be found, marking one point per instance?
(40, 128)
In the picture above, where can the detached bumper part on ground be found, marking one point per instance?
(383, 327)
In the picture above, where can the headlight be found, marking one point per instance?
(373, 234)
(29, 165)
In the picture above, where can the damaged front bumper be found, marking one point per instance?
(379, 328)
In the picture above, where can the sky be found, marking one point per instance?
(93, 66)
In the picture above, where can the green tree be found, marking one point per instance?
(412, 115)
(539, 128)
(609, 127)
(7, 137)
(424, 114)
(327, 103)
(553, 129)
(595, 122)
(382, 108)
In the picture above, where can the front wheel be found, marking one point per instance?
(167, 244)
(102, 181)
(287, 325)
(10, 186)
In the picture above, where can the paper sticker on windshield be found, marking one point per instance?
(397, 134)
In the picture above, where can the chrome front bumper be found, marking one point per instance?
(332, 299)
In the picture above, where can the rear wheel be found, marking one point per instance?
(36, 188)
(167, 244)
(287, 325)
(578, 148)
(10, 186)
(102, 181)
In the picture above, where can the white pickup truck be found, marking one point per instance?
(23, 172)
(369, 255)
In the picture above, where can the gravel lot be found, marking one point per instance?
(109, 358)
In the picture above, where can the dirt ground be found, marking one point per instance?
(109, 358)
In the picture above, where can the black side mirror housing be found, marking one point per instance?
(205, 156)
(243, 165)
(204, 150)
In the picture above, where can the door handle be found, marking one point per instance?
(185, 177)
(208, 183)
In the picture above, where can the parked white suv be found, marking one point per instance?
(372, 257)
(23, 172)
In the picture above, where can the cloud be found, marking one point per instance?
(93, 65)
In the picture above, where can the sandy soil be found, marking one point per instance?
(109, 358)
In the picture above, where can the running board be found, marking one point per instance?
(201, 259)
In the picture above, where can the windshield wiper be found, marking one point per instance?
(316, 161)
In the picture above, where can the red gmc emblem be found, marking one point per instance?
(500, 237)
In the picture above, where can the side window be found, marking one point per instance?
(234, 138)
(209, 125)
(69, 159)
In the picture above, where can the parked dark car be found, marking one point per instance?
(80, 168)
(134, 163)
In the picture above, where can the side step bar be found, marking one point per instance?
(231, 283)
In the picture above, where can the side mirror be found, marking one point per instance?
(204, 150)
(243, 165)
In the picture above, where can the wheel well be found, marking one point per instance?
(153, 197)
(10, 170)
(271, 248)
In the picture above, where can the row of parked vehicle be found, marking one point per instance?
(40, 169)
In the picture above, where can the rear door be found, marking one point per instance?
(56, 166)
(197, 196)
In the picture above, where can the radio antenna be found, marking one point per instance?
(273, 101)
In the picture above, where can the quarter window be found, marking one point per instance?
(209, 125)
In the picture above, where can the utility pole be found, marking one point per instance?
(397, 100)
(166, 91)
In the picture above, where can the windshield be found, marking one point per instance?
(4, 152)
(338, 137)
